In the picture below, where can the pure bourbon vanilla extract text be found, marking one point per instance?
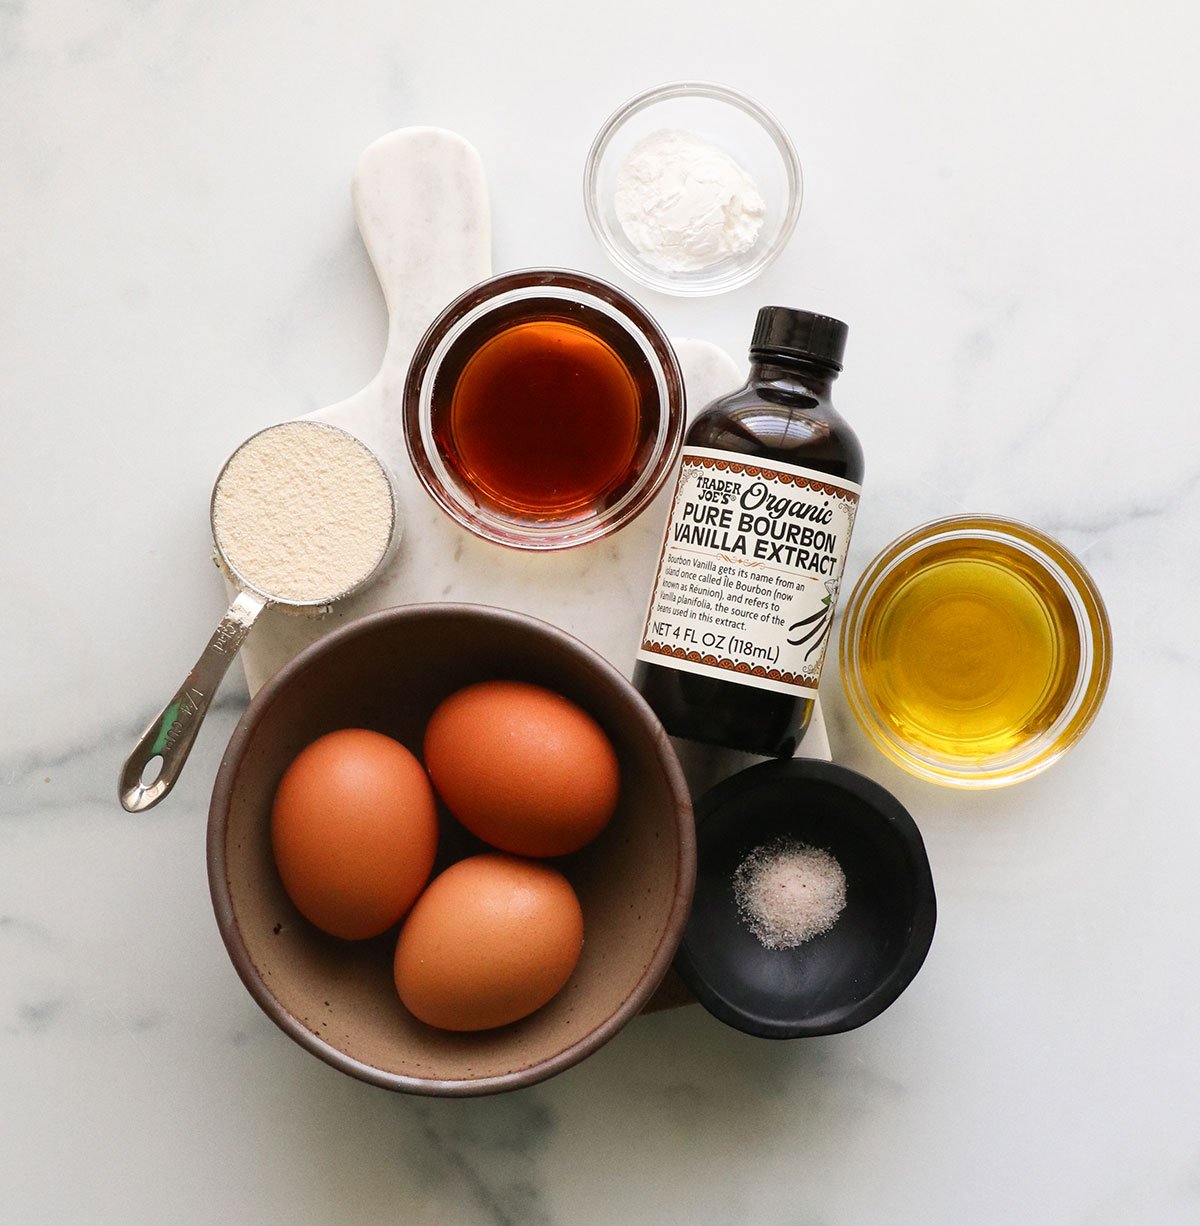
(744, 596)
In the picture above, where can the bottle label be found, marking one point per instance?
(750, 570)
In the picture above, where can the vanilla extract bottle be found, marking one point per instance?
(744, 595)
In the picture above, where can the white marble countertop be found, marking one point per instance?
(1000, 201)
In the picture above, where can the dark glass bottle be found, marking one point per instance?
(783, 414)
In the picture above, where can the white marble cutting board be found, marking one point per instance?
(421, 202)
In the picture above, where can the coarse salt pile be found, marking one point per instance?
(303, 511)
(788, 892)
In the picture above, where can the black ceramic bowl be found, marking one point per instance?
(846, 976)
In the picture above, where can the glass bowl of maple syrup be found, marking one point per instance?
(736, 126)
(975, 651)
(543, 409)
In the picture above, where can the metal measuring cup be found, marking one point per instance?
(171, 734)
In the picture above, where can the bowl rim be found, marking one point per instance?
(663, 282)
(717, 802)
(218, 814)
(1072, 578)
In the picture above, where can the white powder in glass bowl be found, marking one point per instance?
(685, 204)
(303, 512)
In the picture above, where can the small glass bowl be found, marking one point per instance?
(1078, 626)
(517, 297)
(722, 117)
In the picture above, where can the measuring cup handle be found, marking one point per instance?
(173, 731)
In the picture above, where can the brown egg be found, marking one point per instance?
(522, 767)
(492, 939)
(354, 831)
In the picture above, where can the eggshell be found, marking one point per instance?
(492, 939)
(354, 831)
(522, 768)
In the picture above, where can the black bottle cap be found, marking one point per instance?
(787, 333)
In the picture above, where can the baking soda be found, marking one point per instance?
(685, 204)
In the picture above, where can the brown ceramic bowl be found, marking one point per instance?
(388, 671)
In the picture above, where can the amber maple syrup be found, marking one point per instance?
(540, 411)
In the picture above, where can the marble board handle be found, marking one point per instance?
(421, 203)
(172, 732)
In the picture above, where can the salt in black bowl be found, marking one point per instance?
(847, 975)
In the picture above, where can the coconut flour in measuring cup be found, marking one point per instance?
(302, 514)
(301, 511)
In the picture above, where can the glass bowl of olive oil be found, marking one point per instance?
(975, 651)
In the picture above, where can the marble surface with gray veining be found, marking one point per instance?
(1001, 202)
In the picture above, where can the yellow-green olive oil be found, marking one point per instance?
(970, 650)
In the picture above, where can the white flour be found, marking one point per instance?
(685, 204)
(303, 511)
